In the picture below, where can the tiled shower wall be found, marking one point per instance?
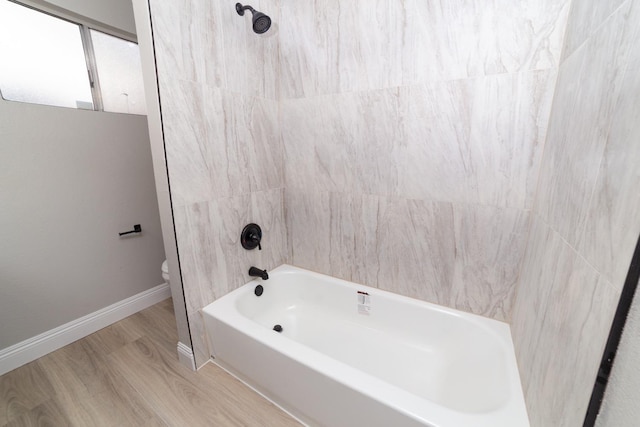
(401, 140)
(413, 133)
(218, 93)
(585, 217)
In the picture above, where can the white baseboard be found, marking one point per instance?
(185, 356)
(33, 348)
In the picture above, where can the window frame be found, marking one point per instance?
(92, 68)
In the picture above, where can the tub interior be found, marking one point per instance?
(440, 356)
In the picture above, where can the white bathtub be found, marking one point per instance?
(344, 358)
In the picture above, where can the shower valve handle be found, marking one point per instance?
(251, 237)
(255, 239)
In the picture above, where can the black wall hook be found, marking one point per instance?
(136, 229)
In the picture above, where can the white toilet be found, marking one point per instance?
(165, 272)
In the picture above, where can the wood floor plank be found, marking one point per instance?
(47, 414)
(62, 376)
(238, 395)
(124, 408)
(147, 370)
(160, 324)
(76, 371)
(91, 392)
(21, 390)
(113, 337)
(166, 305)
(129, 375)
(199, 401)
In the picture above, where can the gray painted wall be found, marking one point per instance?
(70, 180)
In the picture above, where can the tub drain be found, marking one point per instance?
(277, 328)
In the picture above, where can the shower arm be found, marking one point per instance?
(240, 9)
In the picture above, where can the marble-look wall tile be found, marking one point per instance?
(475, 140)
(587, 91)
(361, 45)
(190, 251)
(199, 340)
(585, 226)
(584, 19)
(578, 319)
(218, 143)
(268, 210)
(308, 219)
(463, 256)
(187, 36)
(508, 130)
(343, 143)
(459, 39)
(612, 223)
(561, 320)
(532, 293)
(248, 129)
(468, 141)
(216, 263)
(308, 48)
(490, 245)
(370, 253)
(345, 233)
(251, 61)
(212, 260)
(417, 250)
(209, 43)
(361, 166)
(319, 148)
(185, 137)
(437, 162)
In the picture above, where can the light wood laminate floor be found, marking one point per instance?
(128, 375)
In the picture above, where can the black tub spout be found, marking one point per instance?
(256, 272)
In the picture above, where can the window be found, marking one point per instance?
(43, 60)
(118, 64)
(49, 60)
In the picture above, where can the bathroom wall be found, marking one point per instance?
(413, 133)
(218, 91)
(70, 180)
(585, 223)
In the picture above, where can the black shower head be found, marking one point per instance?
(261, 22)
